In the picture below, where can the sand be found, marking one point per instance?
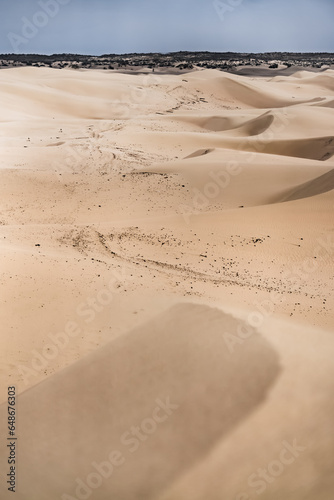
(167, 284)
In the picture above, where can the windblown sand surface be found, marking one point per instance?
(168, 238)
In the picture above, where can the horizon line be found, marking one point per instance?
(165, 53)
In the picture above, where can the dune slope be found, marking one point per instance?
(167, 236)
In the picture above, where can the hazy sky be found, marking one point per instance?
(120, 26)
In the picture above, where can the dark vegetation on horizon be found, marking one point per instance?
(178, 60)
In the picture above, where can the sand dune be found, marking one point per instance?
(257, 446)
(320, 185)
(327, 104)
(156, 214)
(102, 396)
(245, 126)
(319, 148)
(322, 80)
(258, 179)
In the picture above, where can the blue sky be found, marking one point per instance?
(120, 26)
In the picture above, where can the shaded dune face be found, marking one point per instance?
(181, 356)
(200, 152)
(320, 148)
(320, 185)
(240, 126)
(258, 125)
(327, 103)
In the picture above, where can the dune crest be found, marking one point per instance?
(105, 394)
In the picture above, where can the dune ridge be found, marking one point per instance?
(122, 382)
